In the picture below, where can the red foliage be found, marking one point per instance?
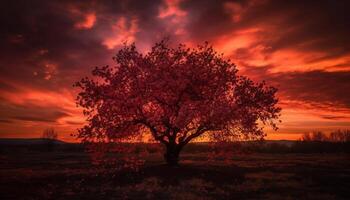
(175, 95)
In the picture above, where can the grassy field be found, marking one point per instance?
(69, 175)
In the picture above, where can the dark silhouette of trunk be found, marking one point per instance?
(172, 153)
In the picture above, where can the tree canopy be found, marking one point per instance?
(175, 94)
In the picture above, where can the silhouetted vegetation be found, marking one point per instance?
(320, 142)
(243, 147)
(335, 136)
(50, 137)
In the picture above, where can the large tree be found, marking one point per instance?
(175, 94)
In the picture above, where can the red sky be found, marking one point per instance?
(302, 48)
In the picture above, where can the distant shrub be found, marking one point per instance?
(50, 136)
(314, 136)
(335, 136)
(340, 136)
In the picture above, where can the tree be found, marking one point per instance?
(340, 136)
(175, 95)
(314, 136)
(50, 135)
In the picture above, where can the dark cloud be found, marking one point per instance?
(208, 19)
(307, 25)
(324, 22)
(7, 87)
(51, 117)
(29, 112)
(5, 121)
(333, 117)
(74, 123)
(317, 87)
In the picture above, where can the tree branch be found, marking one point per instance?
(199, 131)
(153, 130)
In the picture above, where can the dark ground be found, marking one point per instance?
(33, 174)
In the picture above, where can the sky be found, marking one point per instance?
(300, 47)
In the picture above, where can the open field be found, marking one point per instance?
(69, 175)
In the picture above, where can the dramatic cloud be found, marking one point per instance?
(302, 47)
(123, 31)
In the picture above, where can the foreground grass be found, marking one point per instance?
(63, 175)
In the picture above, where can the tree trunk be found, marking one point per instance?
(171, 155)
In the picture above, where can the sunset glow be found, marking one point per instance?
(301, 49)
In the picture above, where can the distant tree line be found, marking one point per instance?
(335, 136)
(313, 142)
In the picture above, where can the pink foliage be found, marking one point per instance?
(174, 95)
